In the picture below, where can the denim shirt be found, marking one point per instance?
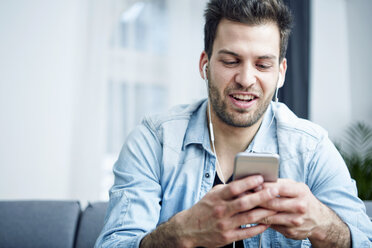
(166, 166)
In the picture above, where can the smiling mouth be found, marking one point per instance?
(245, 98)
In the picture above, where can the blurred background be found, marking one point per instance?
(77, 75)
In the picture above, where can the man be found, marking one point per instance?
(163, 194)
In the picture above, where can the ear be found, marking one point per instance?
(282, 71)
(203, 61)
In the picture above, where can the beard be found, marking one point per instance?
(239, 117)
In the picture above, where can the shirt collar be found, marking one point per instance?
(197, 130)
(265, 140)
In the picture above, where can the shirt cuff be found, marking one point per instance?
(358, 238)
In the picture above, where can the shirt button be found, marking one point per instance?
(207, 175)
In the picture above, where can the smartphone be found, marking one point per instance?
(248, 164)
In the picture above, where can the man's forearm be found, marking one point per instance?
(165, 235)
(334, 234)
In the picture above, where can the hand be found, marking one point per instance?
(301, 215)
(216, 219)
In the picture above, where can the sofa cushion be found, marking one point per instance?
(38, 223)
(91, 224)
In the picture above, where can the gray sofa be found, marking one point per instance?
(56, 224)
(368, 208)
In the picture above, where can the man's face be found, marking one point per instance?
(243, 71)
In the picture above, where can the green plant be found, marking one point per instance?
(356, 149)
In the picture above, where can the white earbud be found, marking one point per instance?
(277, 87)
(205, 73)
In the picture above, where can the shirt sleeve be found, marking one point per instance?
(330, 181)
(135, 197)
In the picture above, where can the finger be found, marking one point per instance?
(251, 217)
(240, 186)
(288, 188)
(242, 233)
(259, 188)
(247, 202)
(248, 232)
(284, 204)
(284, 219)
(292, 233)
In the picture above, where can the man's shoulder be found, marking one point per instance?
(287, 121)
(296, 135)
(171, 126)
(177, 114)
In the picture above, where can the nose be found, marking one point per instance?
(246, 76)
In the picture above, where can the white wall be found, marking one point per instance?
(40, 66)
(187, 22)
(53, 93)
(341, 50)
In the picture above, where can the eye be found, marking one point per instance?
(263, 66)
(230, 62)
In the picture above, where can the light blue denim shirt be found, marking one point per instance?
(166, 166)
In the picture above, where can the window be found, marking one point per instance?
(152, 64)
(136, 83)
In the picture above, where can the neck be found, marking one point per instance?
(229, 141)
(233, 139)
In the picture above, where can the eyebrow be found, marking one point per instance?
(268, 56)
(224, 51)
(273, 57)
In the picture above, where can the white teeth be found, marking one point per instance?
(243, 97)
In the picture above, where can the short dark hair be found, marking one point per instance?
(251, 12)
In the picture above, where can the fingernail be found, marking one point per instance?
(259, 179)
